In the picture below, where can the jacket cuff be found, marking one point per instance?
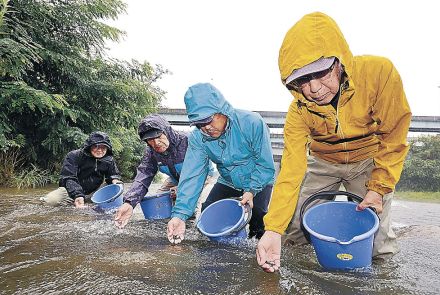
(181, 216)
(253, 191)
(274, 229)
(374, 185)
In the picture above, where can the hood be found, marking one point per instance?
(314, 36)
(98, 137)
(204, 100)
(155, 121)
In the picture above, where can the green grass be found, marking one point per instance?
(433, 197)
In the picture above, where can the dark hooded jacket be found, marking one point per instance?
(169, 162)
(82, 173)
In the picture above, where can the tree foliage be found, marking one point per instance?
(421, 171)
(57, 84)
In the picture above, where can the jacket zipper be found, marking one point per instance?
(338, 128)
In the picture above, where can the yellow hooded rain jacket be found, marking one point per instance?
(371, 121)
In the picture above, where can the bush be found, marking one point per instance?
(128, 150)
(421, 170)
(57, 85)
(31, 177)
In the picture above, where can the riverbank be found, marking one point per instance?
(429, 197)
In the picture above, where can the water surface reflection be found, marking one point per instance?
(62, 250)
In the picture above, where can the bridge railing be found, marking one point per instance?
(275, 121)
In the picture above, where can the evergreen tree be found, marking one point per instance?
(57, 84)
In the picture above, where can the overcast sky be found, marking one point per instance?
(234, 44)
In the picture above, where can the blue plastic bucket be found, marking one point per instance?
(225, 221)
(157, 206)
(108, 197)
(341, 236)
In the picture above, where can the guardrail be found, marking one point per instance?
(275, 120)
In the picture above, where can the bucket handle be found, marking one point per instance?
(158, 195)
(248, 219)
(329, 196)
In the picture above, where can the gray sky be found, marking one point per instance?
(234, 44)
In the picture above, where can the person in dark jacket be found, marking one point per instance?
(84, 171)
(165, 152)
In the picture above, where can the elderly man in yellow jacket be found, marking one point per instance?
(347, 124)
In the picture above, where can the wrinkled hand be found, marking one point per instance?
(79, 202)
(123, 215)
(176, 230)
(371, 199)
(269, 251)
(173, 191)
(247, 197)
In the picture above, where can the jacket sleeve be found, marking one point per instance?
(69, 175)
(393, 115)
(112, 172)
(293, 167)
(264, 171)
(146, 171)
(194, 172)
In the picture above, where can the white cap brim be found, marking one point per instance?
(317, 66)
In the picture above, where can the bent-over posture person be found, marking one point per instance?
(165, 152)
(238, 142)
(351, 114)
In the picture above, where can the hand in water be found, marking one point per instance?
(79, 202)
(269, 251)
(173, 192)
(176, 230)
(123, 215)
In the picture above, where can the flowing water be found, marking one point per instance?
(62, 250)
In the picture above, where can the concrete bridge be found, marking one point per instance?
(275, 121)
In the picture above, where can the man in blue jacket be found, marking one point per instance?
(165, 152)
(238, 142)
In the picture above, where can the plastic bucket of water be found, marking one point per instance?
(157, 206)
(225, 221)
(108, 197)
(341, 236)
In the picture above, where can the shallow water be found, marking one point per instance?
(62, 250)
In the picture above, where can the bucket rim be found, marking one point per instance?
(120, 190)
(228, 231)
(155, 196)
(334, 240)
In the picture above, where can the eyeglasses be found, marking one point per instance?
(301, 82)
(99, 147)
(201, 125)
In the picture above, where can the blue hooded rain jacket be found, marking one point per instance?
(243, 153)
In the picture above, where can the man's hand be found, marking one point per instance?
(371, 199)
(247, 197)
(173, 192)
(79, 202)
(123, 215)
(269, 251)
(176, 230)
(117, 181)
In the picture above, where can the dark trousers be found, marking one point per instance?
(261, 201)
